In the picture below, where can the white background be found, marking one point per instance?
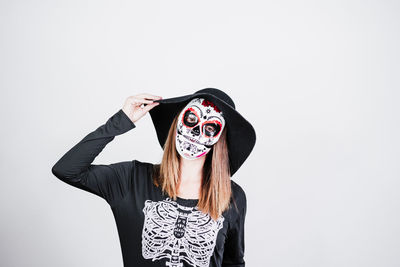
(319, 80)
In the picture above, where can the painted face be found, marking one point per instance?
(199, 127)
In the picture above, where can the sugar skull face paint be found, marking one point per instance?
(199, 127)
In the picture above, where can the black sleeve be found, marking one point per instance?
(110, 182)
(234, 243)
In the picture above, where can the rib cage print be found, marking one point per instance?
(178, 233)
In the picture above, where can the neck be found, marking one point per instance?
(192, 170)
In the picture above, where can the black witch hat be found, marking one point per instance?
(241, 136)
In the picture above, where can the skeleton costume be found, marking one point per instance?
(155, 230)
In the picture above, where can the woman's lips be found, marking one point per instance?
(192, 140)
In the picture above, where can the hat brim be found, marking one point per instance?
(241, 136)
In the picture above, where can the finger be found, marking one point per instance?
(143, 105)
(150, 106)
(149, 96)
(144, 101)
(135, 101)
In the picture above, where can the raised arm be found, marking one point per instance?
(112, 181)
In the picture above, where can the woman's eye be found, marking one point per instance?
(210, 128)
(192, 118)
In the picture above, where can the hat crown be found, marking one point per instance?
(218, 93)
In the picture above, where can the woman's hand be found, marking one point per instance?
(132, 106)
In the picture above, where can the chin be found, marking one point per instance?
(202, 154)
(188, 157)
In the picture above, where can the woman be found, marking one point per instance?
(178, 212)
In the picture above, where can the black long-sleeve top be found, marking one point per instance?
(153, 229)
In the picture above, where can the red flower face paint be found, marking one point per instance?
(207, 103)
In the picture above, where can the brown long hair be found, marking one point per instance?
(215, 185)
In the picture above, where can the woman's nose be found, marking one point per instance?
(196, 130)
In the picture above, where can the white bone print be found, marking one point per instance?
(178, 233)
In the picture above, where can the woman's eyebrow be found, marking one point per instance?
(218, 118)
(201, 113)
